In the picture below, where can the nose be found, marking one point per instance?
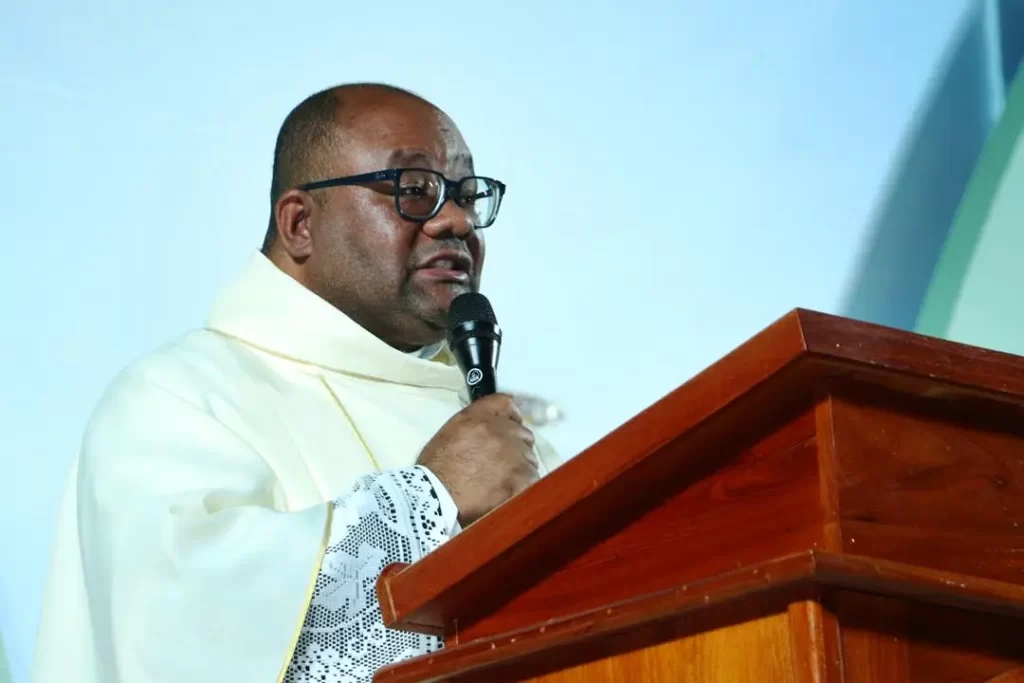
(452, 220)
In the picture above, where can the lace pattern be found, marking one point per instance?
(393, 516)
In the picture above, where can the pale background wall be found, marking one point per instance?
(680, 175)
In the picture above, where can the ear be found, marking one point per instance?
(294, 213)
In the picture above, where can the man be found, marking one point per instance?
(239, 490)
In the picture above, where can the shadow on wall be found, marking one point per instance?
(915, 216)
(1011, 36)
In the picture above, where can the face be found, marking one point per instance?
(393, 276)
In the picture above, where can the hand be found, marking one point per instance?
(483, 455)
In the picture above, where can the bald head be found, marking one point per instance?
(349, 243)
(314, 131)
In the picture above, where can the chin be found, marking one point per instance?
(430, 304)
(432, 319)
(443, 296)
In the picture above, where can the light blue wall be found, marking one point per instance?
(680, 175)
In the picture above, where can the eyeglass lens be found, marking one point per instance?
(421, 193)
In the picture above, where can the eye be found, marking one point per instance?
(470, 192)
(413, 189)
(474, 192)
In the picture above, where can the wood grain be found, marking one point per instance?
(950, 645)
(578, 504)
(755, 651)
(828, 481)
(645, 622)
(814, 642)
(758, 389)
(1014, 676)
(993, 555)
(926, 643)
(924, 484)
(912, 462)
(883, 471)
(713, 525)
(912, 363)
(873, 639)
(727, 599)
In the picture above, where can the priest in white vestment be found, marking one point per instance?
(239, 490)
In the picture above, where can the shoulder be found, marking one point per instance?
(175, 424)
(193, 392)
(193, 369)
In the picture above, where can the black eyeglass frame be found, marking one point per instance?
(451, 189)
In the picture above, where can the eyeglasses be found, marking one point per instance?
(420, 193)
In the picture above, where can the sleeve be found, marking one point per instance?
(394, 516)
(194, 569)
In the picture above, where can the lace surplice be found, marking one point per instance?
(392, 516)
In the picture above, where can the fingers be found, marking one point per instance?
(528, 477)
(499, 405)
(526, 435)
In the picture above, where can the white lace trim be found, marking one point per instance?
(393, 516)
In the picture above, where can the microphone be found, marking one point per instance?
(475, 339)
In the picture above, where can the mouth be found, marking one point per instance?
(447, 266)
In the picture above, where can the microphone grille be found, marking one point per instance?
(471, 306)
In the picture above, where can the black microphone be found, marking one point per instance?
(475, 339)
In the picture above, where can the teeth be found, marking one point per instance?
(445, 263)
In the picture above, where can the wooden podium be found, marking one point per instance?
(831, 502)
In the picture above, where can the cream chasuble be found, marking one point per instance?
(238, 492)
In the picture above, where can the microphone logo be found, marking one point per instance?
(474, 376)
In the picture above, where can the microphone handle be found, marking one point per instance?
(485, 387)
(481, 379)
(476, 345)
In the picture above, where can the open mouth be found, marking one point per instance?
(447, 266)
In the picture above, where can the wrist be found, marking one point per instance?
(450, 515)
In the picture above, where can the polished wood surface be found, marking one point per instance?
(708, 526)
(871, 639)
(957, 483)
(814, 641)
(1014, 676)
(884, 639)
(794, 370)
(754, 651)
(783, 585)
(577, 504)
(827, 469)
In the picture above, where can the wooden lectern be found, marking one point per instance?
(831, 502)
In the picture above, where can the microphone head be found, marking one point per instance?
(470, 307)
(475, 340)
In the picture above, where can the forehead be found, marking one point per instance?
(402, 132)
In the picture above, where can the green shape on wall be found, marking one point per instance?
(975, 293)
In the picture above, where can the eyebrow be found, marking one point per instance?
(407, 156)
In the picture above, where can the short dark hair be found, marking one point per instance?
(306, 136)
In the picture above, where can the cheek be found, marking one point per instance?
(383, 236)
(478, 248)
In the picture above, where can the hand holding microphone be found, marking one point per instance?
(483, 455)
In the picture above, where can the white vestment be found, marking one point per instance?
(238, 492)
